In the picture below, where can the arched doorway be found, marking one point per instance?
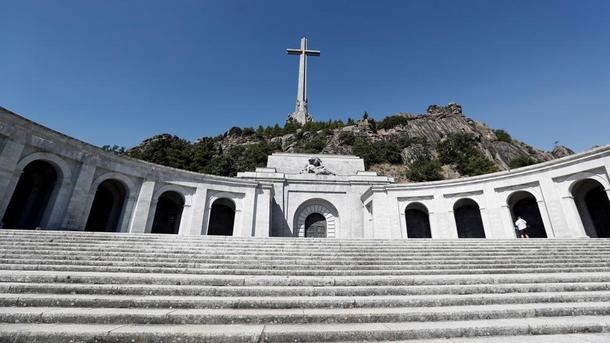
(523, 204)
(593, 207)
(321, 207)
(107, 207)
(315, 226)
(168, 213)
(418, 221)
(468, 219)
(32, 196)
(222, 218)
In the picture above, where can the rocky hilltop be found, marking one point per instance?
(439, 144)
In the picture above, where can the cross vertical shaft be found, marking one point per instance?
(301, 113)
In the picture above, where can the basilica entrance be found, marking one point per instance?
(523, 204)
(168, 213)
(315, 226)
(222, 218)
(468, 219)
(593, 207)
(418, 221)
(107, 207)
(32, 196)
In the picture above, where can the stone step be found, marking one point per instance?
(302, 272)
(147, 236)
(395, 245)
(319, 247)
(277, 255)
(298, 302)
(186, 290)
(250, 280)
(328, 265)
(63, 333)
(78, 315)
(323, 263)
(565, 338)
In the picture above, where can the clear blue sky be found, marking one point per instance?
(116, 72)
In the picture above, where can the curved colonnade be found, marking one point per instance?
(51, 181)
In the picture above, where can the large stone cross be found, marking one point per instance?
(301, 113)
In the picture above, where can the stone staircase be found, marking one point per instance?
(100, 287)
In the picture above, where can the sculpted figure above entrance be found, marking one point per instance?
(315, 167)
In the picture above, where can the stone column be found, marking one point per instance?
(9, 176)
(496, 224)
(382, 216)
(552, 201)
(262, 225)
(184, 229)
(548, 226)
(246, 229)
(486, 222)
(76, 212)
(141, 213)
(572, 217)
(509, 226)
(197, 211)
(447, 227)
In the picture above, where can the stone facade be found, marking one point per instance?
(66, 184)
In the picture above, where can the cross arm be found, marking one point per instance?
(312, 52)
(299, 51)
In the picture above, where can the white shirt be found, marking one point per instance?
(521, 224)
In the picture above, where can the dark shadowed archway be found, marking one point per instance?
(222, 218)
(168, 213)
(107, 207)
(418, 221)
(468, 219)
(523, 204)
(593, 207)
(32, 196)
(315, 226)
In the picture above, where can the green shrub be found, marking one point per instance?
(247, 131)
(364, 149)
(346, 138)
(477, 164)
(376, 152)
(314, 145)
(423, 167)
(235, 131)
(390, 122)
(521, 161)
(503, 136)
(460, 150)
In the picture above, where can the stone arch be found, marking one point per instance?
(524, 204)
(168, 212)
(129, 199)
(417, 221)
(575, 179)
(222, 217)
(468, 221)
(322, 207)
(52, 215)
(593, 206)
(32, 198)
(108, 205)
(61, 165)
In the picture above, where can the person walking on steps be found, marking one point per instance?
(521, 226)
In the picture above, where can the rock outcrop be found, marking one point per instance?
(425, 130)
